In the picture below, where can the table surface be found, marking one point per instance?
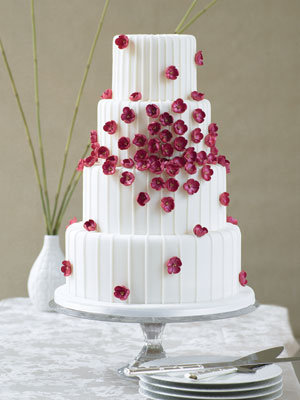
(52, 356)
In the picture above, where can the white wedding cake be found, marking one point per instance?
(154, 236)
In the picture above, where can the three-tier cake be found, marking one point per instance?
(154, 237)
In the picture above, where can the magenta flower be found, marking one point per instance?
(165, 135)
(140, 155)
(107, 94)
(103, 152)
(190, 155)
(110, 127)
(224, 198)
(90, 225)
(199, 115)
(172, 168)
(142, 165)
(180, 127)
(180, 143)
(153, 145)
(166, 119)
(143, 198)
(66, 268)
(122, 41)
(89, 161)
(156, 166)
(121, 292)
(201, 157)
(179, 161)
(124, 143)
(211, 159)
(190, 168)
(206, 172)
(222, 160)
(173, 265)
(171, 72)
(154, 128)
(93, 137)
(128, 115)
(191, 186)
(210, 140)
(140, 140)
(214, 150)
(157, 183)
(197, 95)
(127, 178)
(167, 150)
(72, 221)
(179, 106)
(243, 278)
(113, 159)
(232, 220)
(128, 163)
(196, 135)
(213, 129)
(135, 96)
(80, 165)
(199, 58)
(108, 168)
(167, 204)
(152, 110)
(172, 184)
(199, 230)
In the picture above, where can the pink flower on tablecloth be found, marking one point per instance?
(190, 154)
(127, 163)
(89, 161)
(121, 292)
(180, 143)
(90, 225)
(167, 150)
(199, 58)
(127, 178)
(178, 161)
(72, 221)
(201, 157)
(213, 129)
(110, 127)
(103, 152)
(243, 278)
(108, 168)
(80, 165)
(180, 127)
(142, 165)
(197, 95)
(167, 204)
(172, 184)
(199, 230)
(191, 186)
(190, 168)
(165, 135)
(143, 198)
(199, 115)
(206, 172)
(172, 168)
(179, 106)
(113, 159)
(156, 166)
(171, 72)
(173, 265)
(210, 140)
(128, 115)
(152, 110)
(153, 145)
(140, 155)
(122, 41)
(157, 183)
(140, 140)
(196, 135)
(224, 198)
(107, 94)
(166, 119)
(135, 96)
(124, 143)
(232, 220)
(93, 137)
(154, 128)
(66, 268)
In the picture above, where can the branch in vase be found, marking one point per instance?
(197, 16)
(186, 16)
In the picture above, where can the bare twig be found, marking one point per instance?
(184, 18)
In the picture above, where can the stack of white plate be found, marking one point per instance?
(264, 384)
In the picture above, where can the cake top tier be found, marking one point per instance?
(141, 66)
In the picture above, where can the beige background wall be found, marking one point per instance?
(251, 76)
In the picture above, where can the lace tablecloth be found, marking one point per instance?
(51, 356)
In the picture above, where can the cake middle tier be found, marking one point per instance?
(115, 208)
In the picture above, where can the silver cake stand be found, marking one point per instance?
(152, 327)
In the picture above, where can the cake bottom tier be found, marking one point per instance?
(209, 272)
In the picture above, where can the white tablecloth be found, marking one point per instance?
(47, 356)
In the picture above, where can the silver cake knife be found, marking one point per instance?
(267, 356)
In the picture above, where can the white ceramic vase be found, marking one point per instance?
(45, 275)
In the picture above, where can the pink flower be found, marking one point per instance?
(139, 140)
(224, 198)
(66, 268)
(172, 168)
(165, 135)
(201, 157)
(197, 95)
(198, 115)
(93, 136)
(152, 110)
(166, 119)
(173, 265)
(110, 127)
(180, 127)
(121, 292)
(154, 128)
(122, 41)
(206, 172)
(128, 163)
(210, 140)
(143, 198)
(171, 72)
(199, 58)
(211, 159)
(80, 165)
(190, 168)
(156, 166)
(224, 162)
(191, 186)
(127, 178)
(179, 106)
(190, 155)
(107, 94)
(135, 96)
(196, 135)
(214, 150)
(90, 225)
(179, 161)
(103, 152)
(113, 159)
(142, 165)
(153, 145)
(172, 184)
(213, 129)
(167, 204)
(180, 143)
(124, 143)
(199, 230)
(167, 150)
(128, 115)
(232, 220)
(89, 161)
(140, 155)
(108, 168)
(72, 221)
(243, 278)
(157, 183)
